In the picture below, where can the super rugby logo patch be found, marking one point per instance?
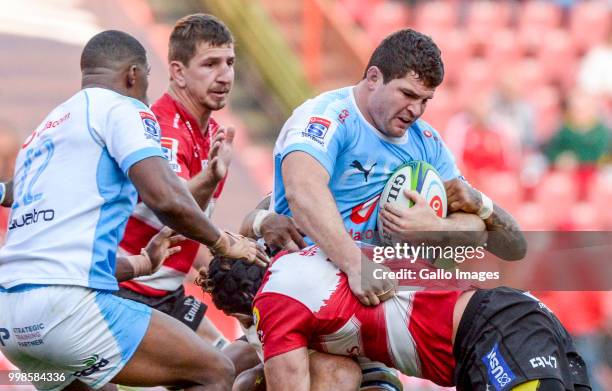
(151, 127)
(169, 148)
(316, 129)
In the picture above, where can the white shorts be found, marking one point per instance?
(69, 332)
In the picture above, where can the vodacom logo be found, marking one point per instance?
(436, 204)
(362, 212)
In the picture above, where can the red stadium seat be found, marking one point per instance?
(559, 48)
(600, 195)
(504, 188)
(384, 19)
(476, 78)
(584, 217)
(360, 10)
(535, 19)
(590, 23)
(556, 193)
(453, 45)
(532, 217)
(486, 17)
(441, 108)
(436, 15)
(502, 50)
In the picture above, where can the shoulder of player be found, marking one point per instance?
(330, 109)
(426, 133)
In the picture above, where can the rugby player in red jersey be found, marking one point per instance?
(474, 339)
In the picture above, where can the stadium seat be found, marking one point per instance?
(360, 10)
(487, 17)
(502, 50)
(535, 19)
(600, 195)
(558, 49)
(436, 15)
(477, 77)
(441, 108)
(584, 217)
(504, 188)
(555, 194)
(590, 23)
(452, 44)
(532, 217)
(385, 18)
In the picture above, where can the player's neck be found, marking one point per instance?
(360, 94)
(201, 114)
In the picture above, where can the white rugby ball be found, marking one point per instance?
(418, 176)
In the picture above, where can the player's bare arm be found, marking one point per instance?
(203, 185)
(7, 196)
(160, 247)
(162, 191)
(315, 212)
(278, 231)
(507, 241)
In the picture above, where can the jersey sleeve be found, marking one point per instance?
(283, 324)
(443, 159)
(320, 136)
(131, 135)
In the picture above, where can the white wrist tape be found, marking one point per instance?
(2, 192)
(486, 210)
(259, 218)
(140, 263)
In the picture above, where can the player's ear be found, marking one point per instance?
(177, 73)
(373, 77)
(131, 76)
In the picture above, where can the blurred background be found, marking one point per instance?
(526, 104)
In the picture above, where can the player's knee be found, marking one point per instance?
(343, 372)
(222, 372)
(250, 380)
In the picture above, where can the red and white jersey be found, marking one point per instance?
(306, 301)
(186, 149)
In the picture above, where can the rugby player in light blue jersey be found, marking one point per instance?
(337, 151)
(75, 185)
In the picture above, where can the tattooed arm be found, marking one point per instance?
(505, 238)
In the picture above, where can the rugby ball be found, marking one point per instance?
(418, 176)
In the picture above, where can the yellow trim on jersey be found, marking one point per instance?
(532, 385)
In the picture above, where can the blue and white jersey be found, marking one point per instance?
(358, 157)
(72, 194)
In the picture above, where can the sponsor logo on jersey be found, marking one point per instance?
(169, 148)
(427, 133)
(343, 115)
(317, 129)
(498, 371)
(193, 310)
(151, 127)
(362, 212)
(365, 171)
(4, 335)
(550, 361)
(48, 125)
(93, 364)
(256, 317)
(32, 218)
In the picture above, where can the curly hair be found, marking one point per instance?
(190, 30)
(232, 284)
(408, 50)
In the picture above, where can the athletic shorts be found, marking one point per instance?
(69, 332)
(187, 309)
(507, 337)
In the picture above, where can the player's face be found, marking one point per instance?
(209, 75)
(396, 105)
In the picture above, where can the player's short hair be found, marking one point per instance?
(405, 51)
(231, 283)
(111, 48)
(190, 30)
